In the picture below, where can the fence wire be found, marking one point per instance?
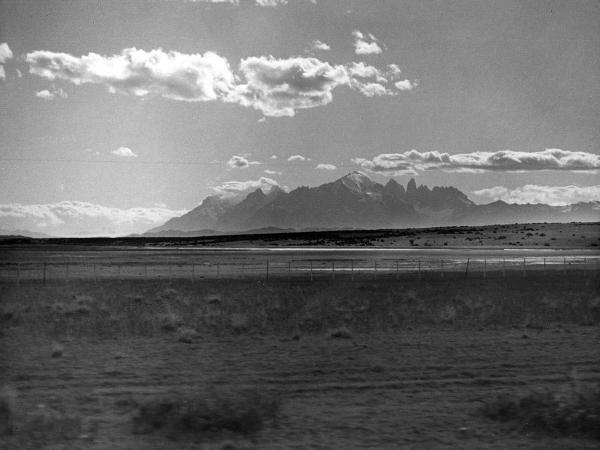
(309, 269)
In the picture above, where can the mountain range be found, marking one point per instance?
(356, 201)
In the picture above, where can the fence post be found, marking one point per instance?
(484, 268)
(218, 271)
(333, 270)
(397, 272)
(565, 265)
(467, 269)
(267, 269)
(352, 269)
(442, 267)
(503, 267)
(544, 266)
(311, 272)
(419, 268)
(375, 267)
(119, 271)
(289, 269)
(524, 272)
(44, 275)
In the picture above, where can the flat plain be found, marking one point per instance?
(381, 360)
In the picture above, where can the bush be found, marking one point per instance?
(8, 398)
(244, 413)
(578, 413)
(340, 333)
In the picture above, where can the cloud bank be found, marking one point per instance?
(236, 188)
(275, 86)
(72, 218)
(532, 193)
(501, 161)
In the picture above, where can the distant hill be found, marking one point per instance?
(11, 234)
(356, 201)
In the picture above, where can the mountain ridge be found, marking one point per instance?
(356, 201)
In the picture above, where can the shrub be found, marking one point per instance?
(577, 413)
(186, 335)
(340, 333)
(239, 412)
(8, 397)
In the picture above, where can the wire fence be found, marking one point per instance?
(307, 269)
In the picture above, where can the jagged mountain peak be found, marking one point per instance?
(359, 182)
(411, 186)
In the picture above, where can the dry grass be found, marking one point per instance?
(238, 412)
(138, 308)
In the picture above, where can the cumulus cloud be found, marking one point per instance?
(366, 44)
(325, 167)
(240, 162)
(276, 87)
(272, 172)
(298, 158)
(124, 152)
(235, 188)
(503, 161)
(405, 85)
(319, 45)
(73, 218)
(173, 75)
(5, 54)
(531, 193)
(46, 94)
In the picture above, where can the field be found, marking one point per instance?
(292, 364)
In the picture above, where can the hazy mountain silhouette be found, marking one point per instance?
(356, 201)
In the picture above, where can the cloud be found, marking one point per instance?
(235, 188)
(51, 94)
(318, 45)
(272, 172)
(501, 161)
(405, 85)
(531, 193)
(276, 87)
(124, 152)
(73, 218)
(240, 162)
(273, 156)
(325, 167)
(366, 45)
(298, 158)
(271, 3)
(5, 54)
(173, 75)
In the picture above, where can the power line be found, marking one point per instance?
(110, 161)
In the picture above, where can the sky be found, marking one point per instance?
(117, 115)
